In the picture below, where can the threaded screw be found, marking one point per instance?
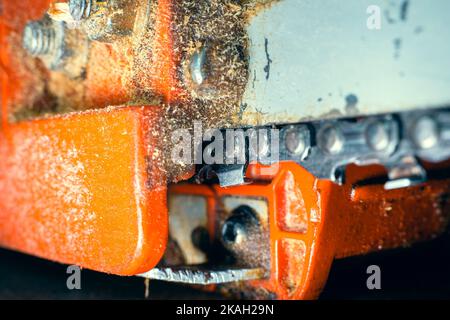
(81, 9)
(38, 39)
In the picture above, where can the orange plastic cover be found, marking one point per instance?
(83, 189)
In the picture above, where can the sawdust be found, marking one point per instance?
(137, 69)
(219, 27)
(60, 12)
(253, 7)
(70, 92)
(44, 92)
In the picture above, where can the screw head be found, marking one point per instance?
(331, 140)
(263, 144)
(426, 132)
(377, 136)
(239, 227)
(235, 149)
(197, 66)
(295, 140)
(259, 144)
(233, 233)
(80, 9)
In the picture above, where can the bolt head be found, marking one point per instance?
(80, 9)
(197, 66)
(331, 140)
(235, 149)
(295, 140)
(377, 136)
(259, 144)
(239, 227)
(426, 132)
(263, 144)
(233, 233)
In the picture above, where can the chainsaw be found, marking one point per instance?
(234, 145)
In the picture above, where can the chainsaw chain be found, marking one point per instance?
(398, 141)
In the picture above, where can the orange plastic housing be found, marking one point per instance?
(81, 189)
(85, 188)
(312, 222)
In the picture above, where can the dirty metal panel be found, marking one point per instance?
(318, 59)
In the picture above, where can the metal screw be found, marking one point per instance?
(331, 140)
(38, 39)
(426, 132)
(81, 9)
(263, 143)
(377, 136)
(235, 149)
(197, 66)
(259, 144)
(236, 229)
(233, 233)
(295, 140)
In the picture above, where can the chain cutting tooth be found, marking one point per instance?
(398, 142)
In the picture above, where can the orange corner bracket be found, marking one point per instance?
(83, 189)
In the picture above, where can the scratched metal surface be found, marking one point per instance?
(317, 59)
(420, 272)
